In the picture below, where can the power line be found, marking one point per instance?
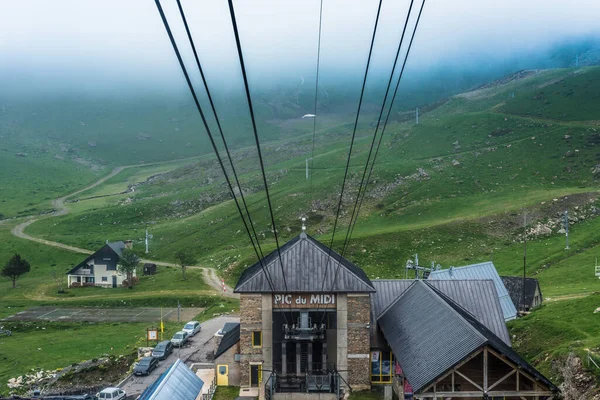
(214, 146)
(339, 206)
(251, 109)
(212, 105)
(389, 110)
(387, 91)
(312, 155)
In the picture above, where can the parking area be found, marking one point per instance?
(89, 314)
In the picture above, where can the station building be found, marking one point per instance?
(313, 325)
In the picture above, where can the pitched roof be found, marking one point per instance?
(479, 297)
(178, 382)
(116, 248)
(429, 334)
(231, 337)
(480, 271)
(308, 266)
(514, 285)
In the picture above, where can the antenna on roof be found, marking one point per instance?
(106, 241)
(303, 224)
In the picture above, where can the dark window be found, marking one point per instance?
(257, 339)
(105, 279)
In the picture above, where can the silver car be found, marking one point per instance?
(192, 328)
(179, 339)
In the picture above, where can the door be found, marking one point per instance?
(255, 372)
(222, 375)
(114, 278)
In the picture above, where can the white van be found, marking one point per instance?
(111, 393)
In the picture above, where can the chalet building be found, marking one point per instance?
(533, 292)
(100, 268)
(485, 270)
(313, 325)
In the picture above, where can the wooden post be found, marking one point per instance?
(485, 370)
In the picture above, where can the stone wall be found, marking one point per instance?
(250, 321)
(359, 314)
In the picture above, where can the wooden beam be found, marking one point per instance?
(494, 394)
(456, 367)
(469, 380)
(485, 369)
(502, 379)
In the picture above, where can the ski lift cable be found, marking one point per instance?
(314, 115)
(339, 205)
(390, 109)
(354, 214)
(229, 158)
(199, 108)
(256, 139)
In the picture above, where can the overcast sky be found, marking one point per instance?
(124, 40)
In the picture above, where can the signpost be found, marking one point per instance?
(151, 335)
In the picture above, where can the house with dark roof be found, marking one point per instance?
(100, 268)
(312, 322)
(527, 299)
(227, 355)
(485, 270)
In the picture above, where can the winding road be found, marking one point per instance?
(209, 274)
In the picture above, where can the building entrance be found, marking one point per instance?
(304, 349)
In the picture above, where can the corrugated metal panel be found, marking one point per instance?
(479, 297)
(480, 271)
(430, 333)
(307, 267)
(426, 335)
(176, 383)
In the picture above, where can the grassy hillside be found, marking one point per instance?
(453, 189)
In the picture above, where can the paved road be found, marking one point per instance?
(198, 344)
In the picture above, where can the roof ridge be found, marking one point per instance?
(317, 243)
(450, 304)
(385, 310)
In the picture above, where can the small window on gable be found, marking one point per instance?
(257, 339)
(106, 258)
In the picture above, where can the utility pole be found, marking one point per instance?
(417, 115)
(567, 228)
(146, 241)
(307, 168)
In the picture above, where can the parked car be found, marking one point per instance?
(179, 339)
(192, 328)
(162, 350)
(111, 393)
(145, 366)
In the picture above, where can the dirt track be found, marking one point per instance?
(209, 274)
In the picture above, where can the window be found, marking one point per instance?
(382, 366)
(257, 339)
(105, 279)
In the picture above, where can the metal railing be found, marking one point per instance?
(211, 390)
(314, 382)
(291, 368)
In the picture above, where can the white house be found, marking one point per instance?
(100, 268)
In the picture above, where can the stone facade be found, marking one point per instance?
(358, 339)
(250, 321)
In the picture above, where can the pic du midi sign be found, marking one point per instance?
(304, 300)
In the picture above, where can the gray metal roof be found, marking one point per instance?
(308, 266)
(479, 297)
(231, 337)
(514, 285)
(480, 271)
(178, 382)
(107, 249)
(429, 334)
